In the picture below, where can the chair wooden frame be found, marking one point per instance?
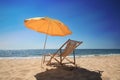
(70, 46)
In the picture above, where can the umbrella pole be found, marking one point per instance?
(44, 49)
(45, 42)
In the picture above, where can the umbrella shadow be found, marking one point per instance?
(69, 73)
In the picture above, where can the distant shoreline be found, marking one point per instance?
(77, 56)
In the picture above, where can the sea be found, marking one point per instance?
(37, 53)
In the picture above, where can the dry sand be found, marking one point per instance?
(89, 68)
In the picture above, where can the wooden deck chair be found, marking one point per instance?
(69, 47)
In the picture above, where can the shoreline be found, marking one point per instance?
(77, 56)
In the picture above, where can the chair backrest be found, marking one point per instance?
(69, 47)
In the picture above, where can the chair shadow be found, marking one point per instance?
(69, 73)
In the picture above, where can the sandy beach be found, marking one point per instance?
(89, 68)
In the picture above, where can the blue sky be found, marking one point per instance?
(95, 22)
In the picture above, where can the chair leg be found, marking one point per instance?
(74, 57)
(60, 60)
(70, 61)
(49, 62)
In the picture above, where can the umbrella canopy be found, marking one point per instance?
(47, 26)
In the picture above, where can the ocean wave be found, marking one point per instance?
(18, 54)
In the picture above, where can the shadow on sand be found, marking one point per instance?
(69, 73)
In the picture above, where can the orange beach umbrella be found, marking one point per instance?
(47, 26)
